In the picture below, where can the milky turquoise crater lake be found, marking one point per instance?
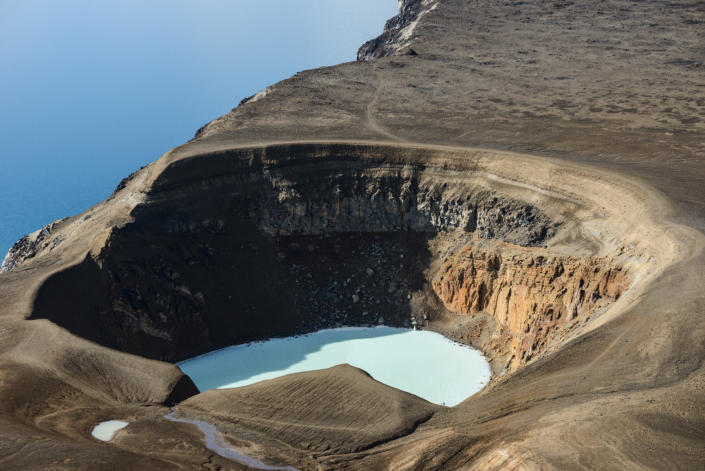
(105, 430)
(419, 362)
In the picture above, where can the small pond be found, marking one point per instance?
(105, 430)
(420, 362)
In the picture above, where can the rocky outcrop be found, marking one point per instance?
(529, 293)
(390, 204)
(398, 30)
(28, 246)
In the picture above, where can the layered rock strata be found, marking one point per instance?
(530, 293)
(389, 204)
(161, 285)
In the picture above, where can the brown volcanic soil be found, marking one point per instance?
(288, 411)
(590, 116)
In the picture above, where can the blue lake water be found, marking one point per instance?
(420, 362)
(91, 91)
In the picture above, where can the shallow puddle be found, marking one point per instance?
(105, 430)
(420, 362)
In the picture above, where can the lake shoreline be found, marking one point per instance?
(424, 363)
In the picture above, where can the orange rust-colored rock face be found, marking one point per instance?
(530, 293)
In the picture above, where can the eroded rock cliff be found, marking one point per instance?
(530, 293)
(31, 244)
(348, 246)
(398, 31)
(390, 203)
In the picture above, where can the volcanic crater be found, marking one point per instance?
(287, 240)
(563, 242)
(512, 255)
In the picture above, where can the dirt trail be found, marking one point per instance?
(372, 108)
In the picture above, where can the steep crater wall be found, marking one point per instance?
(389, 201)
(254, 243)
(275, 257)
(530, 294)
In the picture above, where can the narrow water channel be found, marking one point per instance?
(215, 442)
(419, 362)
